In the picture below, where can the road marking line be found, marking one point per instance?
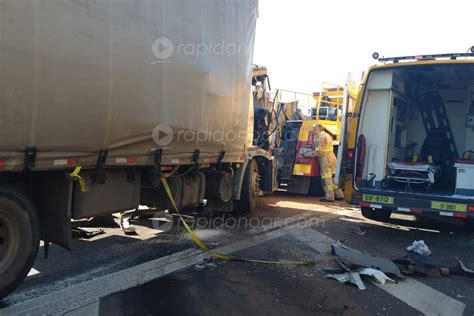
(319, 242)
(289, 221)
(90, 310)
(85, 294)
(31, 293)
(415, 294)
(424, 298)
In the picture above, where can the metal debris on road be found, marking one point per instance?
(352, 277)
(354, 260)
(432, 266)
(125, 224)
(420, 248)
(429, 266)
(359, 231)
(87, 232)
(205, 265)
(464, 268)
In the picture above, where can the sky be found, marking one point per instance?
(306, 42)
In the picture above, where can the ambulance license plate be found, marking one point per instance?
(378, 199)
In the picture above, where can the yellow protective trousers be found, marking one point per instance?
(327, 163)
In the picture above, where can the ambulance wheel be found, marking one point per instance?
(376, 215)
(383, 215)
(19, 239)
(469, 223)
(368, 212)
(249, 194)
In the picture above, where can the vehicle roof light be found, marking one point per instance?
(453, 56)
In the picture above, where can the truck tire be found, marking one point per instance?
(249, 195)
(19, 239)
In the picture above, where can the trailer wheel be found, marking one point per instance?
(249, 195)
(19, 239)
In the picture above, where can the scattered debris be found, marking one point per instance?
(359, 231)
(199, 267)
(464, 268)
(87, 232)
(432, 266)
(352, 277)
(354, 264)
(378, 275)
(100, 221)
(205, 265)
(211, 265)
(420, 248)
(125, 224)
(355, 260)
(429, 266)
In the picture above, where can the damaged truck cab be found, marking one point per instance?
(411, 147)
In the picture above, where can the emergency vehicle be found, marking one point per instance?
(299, 174)
(410, 145)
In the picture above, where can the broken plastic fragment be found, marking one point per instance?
(351, 259)
(352, 277)
(378, 275)
(464, 268)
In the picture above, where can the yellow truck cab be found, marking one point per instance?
(411, 147)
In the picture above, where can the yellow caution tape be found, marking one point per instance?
(218, 255)
(76, 177)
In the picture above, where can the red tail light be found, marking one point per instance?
(350, 153)
(348, 161)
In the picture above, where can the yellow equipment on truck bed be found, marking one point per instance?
(301, 174)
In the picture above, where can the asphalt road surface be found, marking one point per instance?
(161, 271)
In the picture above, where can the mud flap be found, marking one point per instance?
(52, 196)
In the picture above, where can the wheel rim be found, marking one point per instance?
(10, 239)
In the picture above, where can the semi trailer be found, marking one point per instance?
(99, 99)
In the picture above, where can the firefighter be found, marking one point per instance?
(323, 149)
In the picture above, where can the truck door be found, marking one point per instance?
(350, 117)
